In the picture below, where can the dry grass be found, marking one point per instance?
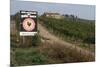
(62, 54)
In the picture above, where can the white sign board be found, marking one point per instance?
(28, 24)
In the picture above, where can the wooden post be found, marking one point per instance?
(23, 40)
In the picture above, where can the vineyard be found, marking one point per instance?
(69, 30)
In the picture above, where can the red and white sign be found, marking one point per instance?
(29, 24)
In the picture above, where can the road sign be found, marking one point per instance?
(28, 24)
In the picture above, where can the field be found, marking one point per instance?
(57, 41)
(76, 31)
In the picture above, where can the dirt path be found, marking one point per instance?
(46, 35)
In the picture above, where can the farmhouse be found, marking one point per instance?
(52, 15)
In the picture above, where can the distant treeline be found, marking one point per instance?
(73, 17)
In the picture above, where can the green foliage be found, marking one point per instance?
(16, 18)
(13, 41)
(73, 29)
(36, 40)
(90, 39)
(27, 56)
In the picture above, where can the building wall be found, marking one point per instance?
(54, 16)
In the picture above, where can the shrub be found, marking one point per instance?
(36, 40)
(26, 56)
(90, 39)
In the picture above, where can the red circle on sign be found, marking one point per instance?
(29, 24)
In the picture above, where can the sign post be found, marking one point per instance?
(28, 26)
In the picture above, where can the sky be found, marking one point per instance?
(82, 11)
